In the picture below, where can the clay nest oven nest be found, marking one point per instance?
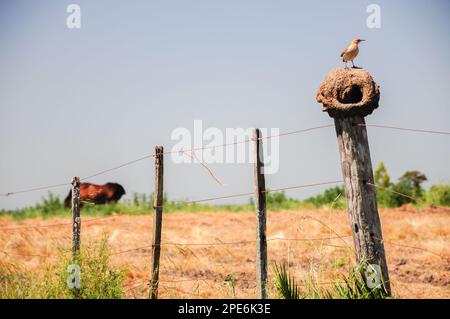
(347, 92)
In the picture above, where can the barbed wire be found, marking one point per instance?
(139, 283)
(252, 193)
(212, 147)
(404, 128)
(240, 243)
(208, 147)
(54, 225)
(179, 203)
(26, 255)
(224, 243)
(412, 247)
(34, 189)
(416, 199)
(164, 153)
(234, 243)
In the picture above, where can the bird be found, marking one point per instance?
(350, 52)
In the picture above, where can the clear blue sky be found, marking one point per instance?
(73, 102)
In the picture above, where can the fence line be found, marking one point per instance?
(212, 147)
(180, 203)
(34, 189)
(158, 245)
(53, 225)
(221, 243)
(204, 245)
(240, 243)
(27, 255)
(139, 283)
(413, 247)
(235, 243)
(165, 153)
(252, 193)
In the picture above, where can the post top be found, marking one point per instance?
(347, 92)
(75, 181)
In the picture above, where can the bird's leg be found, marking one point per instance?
(346, 64)
(353, 64)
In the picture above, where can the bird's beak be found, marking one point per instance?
(361, 40)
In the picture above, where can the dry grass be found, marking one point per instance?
(228, 270)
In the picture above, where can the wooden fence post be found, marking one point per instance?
(260, 194)
(348, 95)
(157, 223)
(76, 219)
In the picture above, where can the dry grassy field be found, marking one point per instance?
(212, 255)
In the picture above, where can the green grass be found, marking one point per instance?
(99, 280)
(344, 286)
(141, 204)
(285, 284)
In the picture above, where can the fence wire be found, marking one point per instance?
(299, 131)
(404, 129)
(165, 153)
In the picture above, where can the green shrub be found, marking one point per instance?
(98, 279)
(285, 283)
(353, 286)
(332, 197)
(350, 286)
(439, 194)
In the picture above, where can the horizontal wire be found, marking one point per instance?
(165, 153)
(225, 243)
(27, 255)
(404, 195)
(209, 147)
(252, 193)
(412, 247)
(392, 191)
(215, 146)
(177, 203)
(34, 189)
(118, 167)
(54, 225)
(404, 129)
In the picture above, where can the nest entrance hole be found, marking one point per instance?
(351, 95)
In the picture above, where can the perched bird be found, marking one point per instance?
(350, 52)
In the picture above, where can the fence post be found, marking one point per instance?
(157, 222)
(348, 95)
(76, 219)
(260, 194)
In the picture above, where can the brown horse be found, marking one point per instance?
(97, 194)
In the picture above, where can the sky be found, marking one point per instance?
(76, 101)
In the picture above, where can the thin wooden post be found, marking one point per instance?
(260, 194)
(76, 219)
(157, 222)
(361, 198)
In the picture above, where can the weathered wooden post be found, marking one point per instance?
(260, 195)
(157, 222)
(348, 95)
(76, 219)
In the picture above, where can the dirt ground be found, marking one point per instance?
(212, 255)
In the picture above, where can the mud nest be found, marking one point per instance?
(348, 92)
